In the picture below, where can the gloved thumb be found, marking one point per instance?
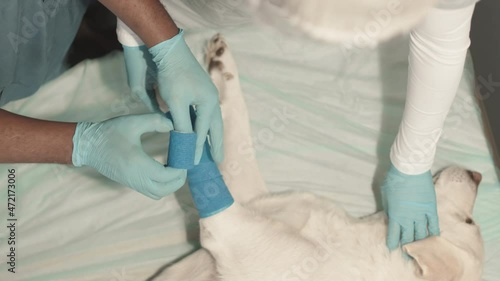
(147, 97)
(154, 122)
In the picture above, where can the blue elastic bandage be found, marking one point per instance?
(209, 192)
(181, 150)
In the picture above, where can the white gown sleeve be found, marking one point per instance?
(438, 48)
(126, 36)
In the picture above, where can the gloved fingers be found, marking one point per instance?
(136, 66)
(150, 195)
(152, 67)
(152, 122)
(152, 102)
(407, 234)
(158, 190)
(420, 230)
(156, 171)
(207, 117)
(161, 180)
(147, 97)
(181, 116)
(141, 74)
(217, 137)
(151, 75)
(393, 234)
(433, 225)
(203, 118)
(385, 201)
(160, 173)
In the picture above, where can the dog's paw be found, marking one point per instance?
(216, 57)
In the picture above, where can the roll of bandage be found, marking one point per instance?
(208, 189)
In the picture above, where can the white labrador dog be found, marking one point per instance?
(298, 236)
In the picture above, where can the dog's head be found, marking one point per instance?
(457, 254)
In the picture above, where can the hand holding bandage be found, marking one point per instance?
(113, 148)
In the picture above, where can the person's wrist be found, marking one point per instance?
(161, 34)
(394, 170)
(411, 161)
(172, 33)
(79, 144)
(160, 50)
(393, 178)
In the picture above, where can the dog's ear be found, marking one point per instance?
(436, 259)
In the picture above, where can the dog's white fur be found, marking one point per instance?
(360, 22)
(300, 236)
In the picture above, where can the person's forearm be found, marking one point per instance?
(28, 140)
(438, 48)
(147, 18)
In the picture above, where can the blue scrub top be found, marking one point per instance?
(36, 35)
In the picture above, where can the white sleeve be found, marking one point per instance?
(126, 36)
(438, 48)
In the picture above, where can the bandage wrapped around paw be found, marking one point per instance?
(210, 194)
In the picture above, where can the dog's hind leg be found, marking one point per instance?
(239, 168)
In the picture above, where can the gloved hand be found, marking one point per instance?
(183, 82)
(114, 149)
(410, 204)
(141, 75)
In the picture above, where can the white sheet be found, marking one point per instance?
(73, 224)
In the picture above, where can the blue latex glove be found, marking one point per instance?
(182, 82)
(141, 75)
(113, 148)
(410, 203)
